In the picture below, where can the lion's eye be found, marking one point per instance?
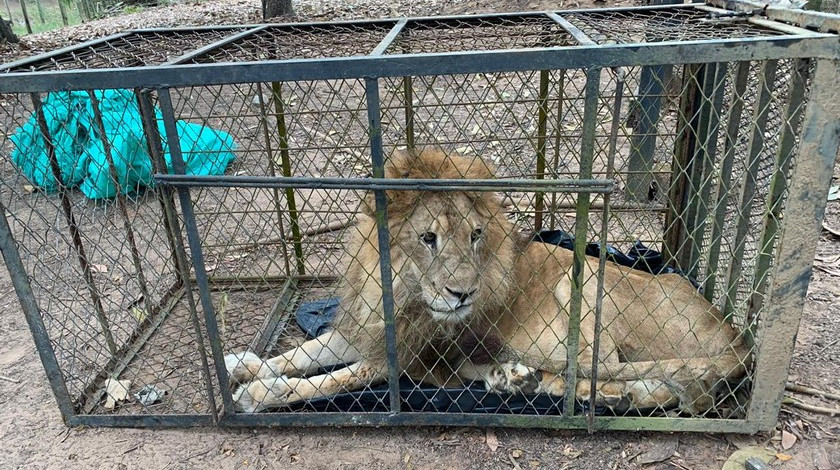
(429, 238)
(475, 235)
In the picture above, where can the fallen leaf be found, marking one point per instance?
(659, 452)
(788, 439)
(139, 314)
(534, 463)
(294, 457)
(739, 457)
(99, 268)
(833, 193)
(117, 391)
(491, 440)
(28, 188)
(570, 452)
(783, 457)
(516, 453)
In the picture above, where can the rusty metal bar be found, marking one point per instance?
(587, 154)
(75, 233)
(808, 189)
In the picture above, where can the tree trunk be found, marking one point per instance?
(274, 8)
(6, 33)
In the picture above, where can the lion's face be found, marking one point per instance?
(451, 251)
(446, 250)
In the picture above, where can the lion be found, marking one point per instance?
(474, 300)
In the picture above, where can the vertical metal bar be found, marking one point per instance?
(384, 240)
(558, 137)
(590, 119)
(796, 243)
(155, 146)
(643, 140)
(121, 204)
(283, 135)
(194, 239)
(703, 163)
(733, 127)
(794, 109)
(748, 189)
(272, 165)
(602, 254)
(23, 289)
(408, 93)
(75, 234)
(542, 123)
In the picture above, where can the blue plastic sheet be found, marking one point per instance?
(80, 152)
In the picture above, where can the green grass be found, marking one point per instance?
(52, 16)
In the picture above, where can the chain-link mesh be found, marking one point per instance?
(688, 155)
(136, 49)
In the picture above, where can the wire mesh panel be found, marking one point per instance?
(557, 219)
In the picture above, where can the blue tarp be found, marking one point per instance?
(81, 155)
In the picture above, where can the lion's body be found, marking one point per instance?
(474, 301)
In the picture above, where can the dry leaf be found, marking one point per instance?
(117, 391)
(737, 459)
(516, 453)
(491, 440)
(139, 314)
(294, 457)
(99, 268)
(783, 457)
(28, 188)
(788, 439)
(534, 463)
(571, 453)
(659, 452)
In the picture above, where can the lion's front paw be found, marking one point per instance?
(242, 367)
(513, 377)
(262, 394)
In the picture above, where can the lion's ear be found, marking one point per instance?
(398, 164)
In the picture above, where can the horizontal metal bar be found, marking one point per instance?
(763, 22)
(48, 55)
(142, 421)
(603, 423)
(370, 22)
(720, 50)
(188, 29)
(576, 33)
(552, 185)
(803, 18)
(225, 41)
(389, 38)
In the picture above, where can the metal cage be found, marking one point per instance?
(707, 132)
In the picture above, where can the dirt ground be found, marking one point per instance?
(32, 434)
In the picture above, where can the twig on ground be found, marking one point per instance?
(812, 391)
(812, 408)
(9, 379)
(829, 345)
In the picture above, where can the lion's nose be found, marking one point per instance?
(463, 297)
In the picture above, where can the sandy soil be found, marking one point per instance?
(32, 434)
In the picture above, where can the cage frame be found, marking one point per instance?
(810, 36)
